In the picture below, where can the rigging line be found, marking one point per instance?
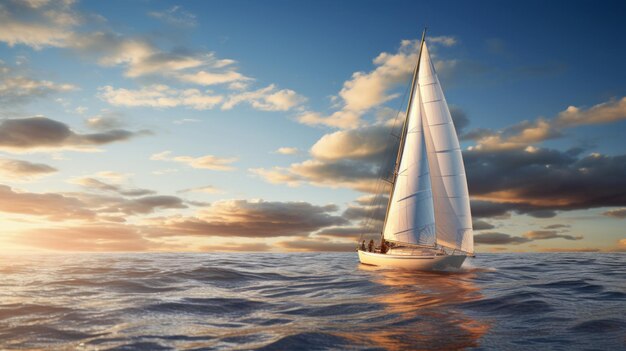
(381, 180)
(414, 83)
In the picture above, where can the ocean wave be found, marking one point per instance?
(310, 301)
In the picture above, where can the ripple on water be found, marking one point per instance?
(310, 301)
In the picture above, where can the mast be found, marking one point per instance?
(403, 135)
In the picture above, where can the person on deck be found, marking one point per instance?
(363, 246)
(383, 246)
(370, 247)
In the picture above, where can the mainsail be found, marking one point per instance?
(411, 217)
(429, 204)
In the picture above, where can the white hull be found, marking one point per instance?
(412, 262)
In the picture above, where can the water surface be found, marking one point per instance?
(316, 301)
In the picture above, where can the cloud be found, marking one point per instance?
(252, 218)
(208, 189)
(16, 89)
(204, 162)
(348, 158)
(160, 96)
(41, 133)
(494, 238)
(141, 58)
(94, 237)
(616, 213)
(54, 207)
(366, 143)
(236, 247)
(443, 40)
(546, 179)
(147, 204)
(481, 225)
(176, 16)
(607, 112)
(346, 232)
(549, 234)
(37, 24)
(56, 24)
(317, 245)
(523, 134)
(266, 99)
(287, 150)
(23, 170)
(105, 121)
(367, 90)
(96, 184)
(213, 78)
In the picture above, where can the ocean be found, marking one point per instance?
(310, 301)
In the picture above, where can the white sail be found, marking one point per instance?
(410, 217)
(453, 219)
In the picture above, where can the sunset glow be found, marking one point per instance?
(195, 126)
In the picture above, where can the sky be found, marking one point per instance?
(262, 125)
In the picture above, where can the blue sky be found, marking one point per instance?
(170, 97)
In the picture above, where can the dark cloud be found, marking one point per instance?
(41, 132)
(243, 218)
(481, 225)
(493, 238)
(541, 181)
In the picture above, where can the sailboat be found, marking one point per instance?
(428, 223)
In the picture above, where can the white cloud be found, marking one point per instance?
(205, 162)
(159, 95)
(266, 99)
(287, 150)
(212, 78)
(366, 90)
